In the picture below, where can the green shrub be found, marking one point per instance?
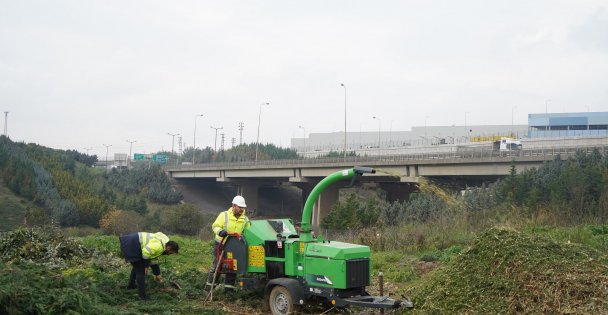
(149, 181)
(183, 219)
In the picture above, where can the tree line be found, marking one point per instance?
(570, 191)
(240, 153)
(71, 192)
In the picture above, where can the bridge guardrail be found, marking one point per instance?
(478, 153)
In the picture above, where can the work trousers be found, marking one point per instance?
(230, 277)
(138, 273)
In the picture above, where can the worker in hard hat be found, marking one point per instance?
(230, 221)
(141, 250)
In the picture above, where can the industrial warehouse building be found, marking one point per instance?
(567, 125)
(549, 127)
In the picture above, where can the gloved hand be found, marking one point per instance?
(223, 233)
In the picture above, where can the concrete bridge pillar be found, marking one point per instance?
(250, 192)
(326, 200)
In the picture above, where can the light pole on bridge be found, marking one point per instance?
(257, 141)
(379, 129)
(194, 145)
(215, 145)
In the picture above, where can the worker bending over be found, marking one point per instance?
(140, 249)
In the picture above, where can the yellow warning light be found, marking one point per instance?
(241, 283)
(333, 302)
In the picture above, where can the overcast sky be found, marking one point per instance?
(80, 74)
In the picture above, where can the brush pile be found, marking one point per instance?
(46, 247)
(507, 272)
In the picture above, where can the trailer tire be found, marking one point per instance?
(281, 301)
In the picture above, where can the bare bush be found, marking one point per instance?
(119, 222)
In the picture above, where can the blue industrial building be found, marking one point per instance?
(550, 125)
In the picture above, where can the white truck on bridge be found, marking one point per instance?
(507, 144)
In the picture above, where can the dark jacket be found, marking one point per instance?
(130, 247)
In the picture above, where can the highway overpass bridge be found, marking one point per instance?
(396, 175)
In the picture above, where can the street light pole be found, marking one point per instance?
(379, 129)
(107, 146)
(215, 145)
(466, 131)
(390, 133)
(344, 86)
(512, 111)
(6, 124)
(130, 150)
(257, 141)
(194, 145)
(546, 117)
(173, 143)
(304, 137)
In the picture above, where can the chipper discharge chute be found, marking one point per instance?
(294, 268)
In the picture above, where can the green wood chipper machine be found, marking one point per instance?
(295, 267)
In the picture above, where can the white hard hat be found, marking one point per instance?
(239, 201)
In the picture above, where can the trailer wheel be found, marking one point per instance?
(280, 301)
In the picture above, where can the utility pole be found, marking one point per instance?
(87, 150)
(179, 145)
(222, 146)
(6, 124)
(130, 152)
(215, 145)
(107, 146)
(233, 141)
(241, 126)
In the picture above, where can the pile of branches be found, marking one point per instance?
(46, 247)
(505, 271)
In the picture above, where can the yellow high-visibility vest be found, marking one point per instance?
(227, 221)
(152, 244)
